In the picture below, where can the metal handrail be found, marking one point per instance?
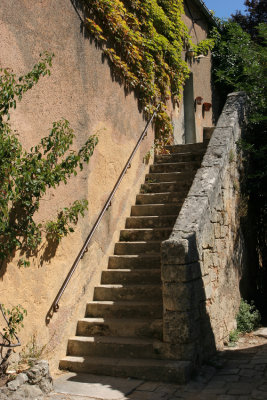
(55, 306)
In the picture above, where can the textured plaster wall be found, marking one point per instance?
(201, 69)
(81, 90)
(203, 260)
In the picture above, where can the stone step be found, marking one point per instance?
(174, 167)
(128, 235)
(130, 276)
(155, 209)
(153, 221)
(124, 309)
(160, 198)
(137, 247)
(134, 261)
(126, 347)
(128, 292)
(190, 147)
(120, 327)
(178, 157)
(162, 187)
(185, 176)
(147, 369)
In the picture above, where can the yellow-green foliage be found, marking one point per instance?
(144, 40)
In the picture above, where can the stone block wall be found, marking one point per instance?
(203, 259)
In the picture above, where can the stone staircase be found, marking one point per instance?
(121, 334)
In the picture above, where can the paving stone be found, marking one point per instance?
(229, 371)
(139, 395)
(247, 372)
(258, 361)
(240, 388)
(185, 396)
(261, 332)
(215, 384)
(263, 387)
(215, 390)
(148, 386)
(244, 397)
(70, 397)
(258, 395)
(256, 380)
(261, 367)
(206, 396)
(100, 387)
(233, 364)
(226, 378)
(194, 386)
(167, 389)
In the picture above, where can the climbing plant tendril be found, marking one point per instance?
(144, 40)
(26, 176)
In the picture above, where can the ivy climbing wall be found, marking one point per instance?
(147, 43)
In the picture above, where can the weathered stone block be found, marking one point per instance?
(205, 181)
(207, 259)
(180, 327)
(213, 274)
(208, 239)
(195, 210)
(184, 351)
(180, 273)
(217, 231)
(215, 260)
(234, 111)
(17, 382)
(37, 372)
(183, 296)
(180, 251)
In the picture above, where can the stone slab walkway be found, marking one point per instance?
(237, 373)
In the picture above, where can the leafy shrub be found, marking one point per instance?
(233, 336)
(248, 317)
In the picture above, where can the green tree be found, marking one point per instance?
(240, 64)
(256, 13)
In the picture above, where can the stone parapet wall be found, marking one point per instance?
(203, 259)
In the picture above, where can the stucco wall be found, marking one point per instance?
(201, 70)
(203, 260)
(81, 90)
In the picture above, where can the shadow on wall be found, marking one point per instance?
(189, 298)
(202, 332)
(82, 10)
(187, 330)
(218, 97)
(48, 251)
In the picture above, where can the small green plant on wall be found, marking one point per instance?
(31, 352)
(248, 318)
(13, 318)
(144, 41)
(26, 176)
